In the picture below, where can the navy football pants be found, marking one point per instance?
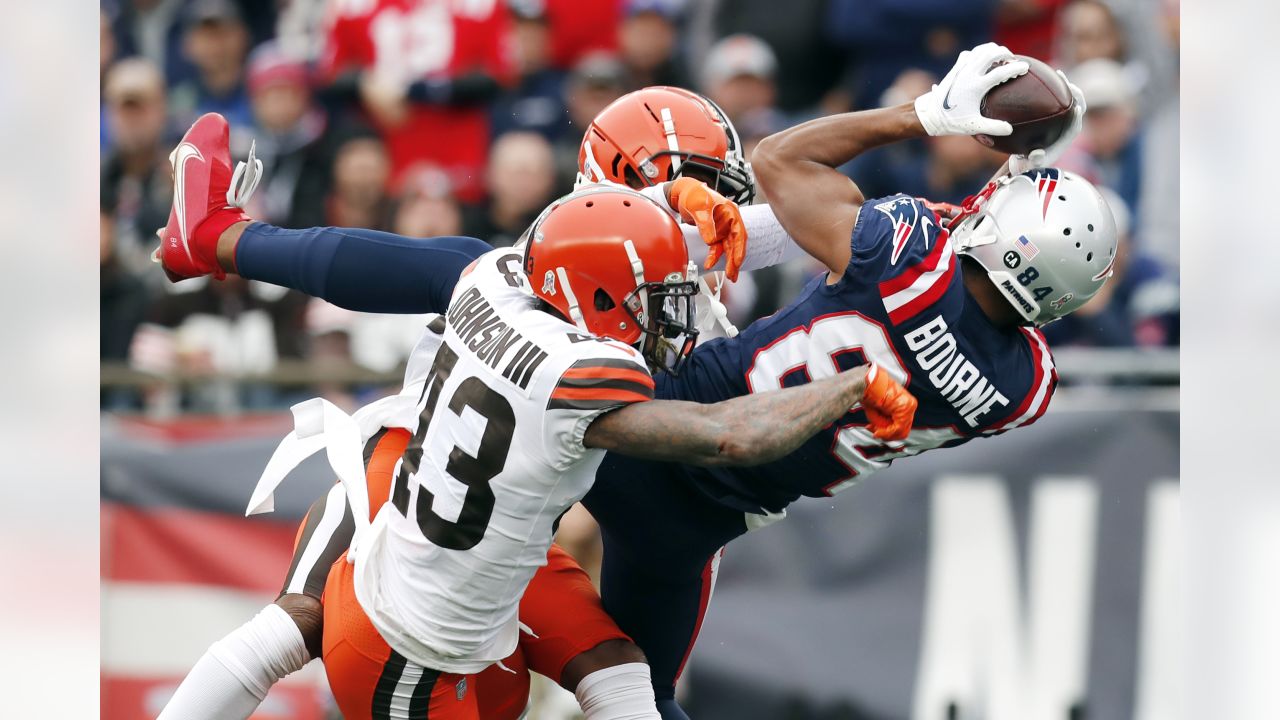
(662, 540)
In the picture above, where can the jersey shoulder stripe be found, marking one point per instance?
(601, 383)
(907, 294)
(1043, 385)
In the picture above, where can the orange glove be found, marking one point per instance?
(718, 221)
(890, 408)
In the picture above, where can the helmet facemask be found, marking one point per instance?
(731, 177)
(666, 314)
(982, 230)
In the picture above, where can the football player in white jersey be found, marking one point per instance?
(566, 635)
(540, 365)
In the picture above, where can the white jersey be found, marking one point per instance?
(505, 393)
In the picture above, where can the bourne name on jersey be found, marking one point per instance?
(901, 303)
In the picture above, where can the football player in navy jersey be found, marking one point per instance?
(949, 307)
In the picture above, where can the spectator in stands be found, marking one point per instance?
(1088, 30)
(521, 182)
(329, 347)
(943, 169)
(1108, 150)
(361, 170)
(738, 75)
(216, 42)
(887, 37)
(577, 28)
(135, 172)
(123, 296)
(809, 63)
(537, 103)
(951, 168)
(152, 29)
(425, 78)
(426, 207)
(648, 43)
(294, 140)
(756, 126)
(1028, 27)
(596, 81)
(122, 304)
(231, 327)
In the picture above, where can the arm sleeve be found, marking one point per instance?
(363, 270)
(768, 243)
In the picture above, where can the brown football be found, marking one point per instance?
(1038, 104)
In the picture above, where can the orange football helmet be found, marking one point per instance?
(615, 264)
(659, 133)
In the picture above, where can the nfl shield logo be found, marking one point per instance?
(461, 688)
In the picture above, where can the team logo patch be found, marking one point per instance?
(1011, 260)
(904, 212)
(1057, 304)
(1027, 248)
(1046, 180)
(549, 283)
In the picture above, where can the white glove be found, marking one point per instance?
(1038, 158)
(952, 107)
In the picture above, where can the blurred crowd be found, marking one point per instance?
(439, 117)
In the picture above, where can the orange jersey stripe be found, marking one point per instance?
(626, 396)
(607, 373)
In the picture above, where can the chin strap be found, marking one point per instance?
(973, 204)
(594, 173)
(718, 313)
(575, 312)
(637, 271)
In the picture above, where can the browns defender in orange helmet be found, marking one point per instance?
(658, 134)
(632, 298)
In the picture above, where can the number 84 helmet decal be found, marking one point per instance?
(1046, 238)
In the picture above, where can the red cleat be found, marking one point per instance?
(207, 199)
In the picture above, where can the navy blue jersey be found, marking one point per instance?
(902, 304)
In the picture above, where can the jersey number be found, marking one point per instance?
(815, 350)
(474, 471)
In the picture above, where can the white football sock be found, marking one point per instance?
(621, 692)
(235, 673)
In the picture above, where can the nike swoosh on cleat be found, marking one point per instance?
(185, 152)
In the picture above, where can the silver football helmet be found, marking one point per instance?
(1046, 238)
